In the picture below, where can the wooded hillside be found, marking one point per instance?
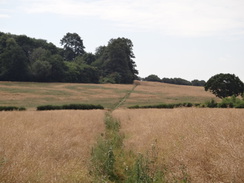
(28, 59)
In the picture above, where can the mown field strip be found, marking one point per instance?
(31, 95)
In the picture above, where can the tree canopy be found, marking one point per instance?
(176, 81)
(152, 77)
(13, 61)
(225, 85)
(73, 46)
(28, 59)
(116, 61)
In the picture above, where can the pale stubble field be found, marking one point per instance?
(55, 146)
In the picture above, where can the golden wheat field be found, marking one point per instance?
(47, 146)
(208, 143)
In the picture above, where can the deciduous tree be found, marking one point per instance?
(152, 77)
(73, 46)
(13, 62)
(225, 85)
(117, 57)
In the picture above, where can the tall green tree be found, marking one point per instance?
(73, 46)
(89, 58)
(13, 61)
(41, 70)
(47, 67)
(117, 58)
(225, 85)
(81, 73)
(39, 64)
(25, 43)
(23, 58)
(100, 51)
(58, 69)
(196, 82)
(39, 54)
(152, 77)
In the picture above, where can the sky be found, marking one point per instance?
(189, 39)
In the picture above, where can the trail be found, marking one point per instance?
(122, 101)
(111, 162)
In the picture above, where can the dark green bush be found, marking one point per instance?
(188, 104)
(48, 107)
(8, 108)
(240, 105)
(134, 107)
(11, 108)
(22, 109)
(70, 107)
(222, 105)
(82, 106)
(230, 102)
(162, 106)
(197, 104)
(159, 106)
(211, 104)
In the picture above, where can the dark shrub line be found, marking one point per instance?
(163, 106)
(70, 107)
(229, 102)
(11, 108)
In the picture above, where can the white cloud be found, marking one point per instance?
(170, 17)
(4, 16)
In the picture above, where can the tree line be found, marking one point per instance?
(28, 59)
(177, 81)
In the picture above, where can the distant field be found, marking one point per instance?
(154, 93)
(31, 95)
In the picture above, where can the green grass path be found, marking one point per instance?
(122, 101)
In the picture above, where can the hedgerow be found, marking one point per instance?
(70, 107)
(163, 106)
(228, 102)
(11, 108)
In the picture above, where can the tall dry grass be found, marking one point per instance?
(207, 144)
(52, 146)
(55, 146)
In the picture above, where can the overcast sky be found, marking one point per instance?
(190, 39)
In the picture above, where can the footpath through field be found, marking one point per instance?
(112, 162)
(122, 101)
